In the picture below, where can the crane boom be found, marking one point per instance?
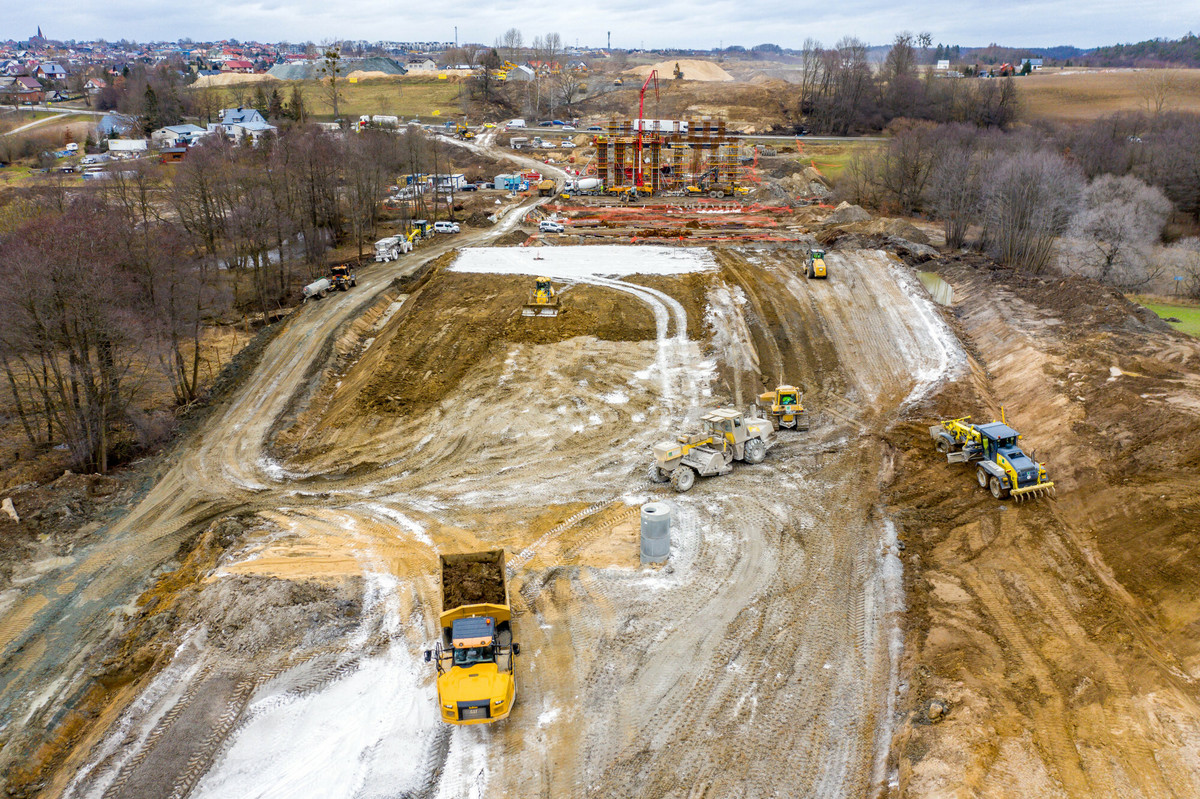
(637, 171)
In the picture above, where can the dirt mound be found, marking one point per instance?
(466, 315)
(360, 74)
(231, 79)
(692, 69)
(472, 584)
(846, 213)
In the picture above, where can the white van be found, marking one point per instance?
(515, 123)
(550, 226)
(446, 227)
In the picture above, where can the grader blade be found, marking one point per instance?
(1034, 492)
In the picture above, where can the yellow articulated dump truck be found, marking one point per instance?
(475, 654)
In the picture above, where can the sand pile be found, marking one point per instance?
(230, 78)
(361, 74)
(691, 68)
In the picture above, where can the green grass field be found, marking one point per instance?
(1189, 315)
(406, 97)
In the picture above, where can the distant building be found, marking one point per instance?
(127, 148)
(1034, 63)
(177, 135)
(420, 65)
(95, 85)
(240, 123)
(237, 65)
(943, 63)
(50, 72)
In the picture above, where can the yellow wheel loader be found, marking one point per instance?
(543, 300)
(1003, 468)
(815, 268)
(783, 405)
(725, 436)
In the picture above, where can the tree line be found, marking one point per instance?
(1092, 198)
(106, 289)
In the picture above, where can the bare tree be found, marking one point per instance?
(955, 192)
(1029, 200)
(331, 74)
(1120, 220)
(1158, 88)
(513, 41)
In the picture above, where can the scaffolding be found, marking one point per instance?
(675, 155)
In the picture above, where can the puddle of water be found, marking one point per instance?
(941, 291)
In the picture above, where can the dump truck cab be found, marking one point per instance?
(1003, 467)
(816, 265)
(726, 435)
(784, 406)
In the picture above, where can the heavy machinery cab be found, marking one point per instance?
(787, 398)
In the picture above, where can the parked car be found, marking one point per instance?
(468, 187)
(568, 127)
(446, 227)
(546, 124)
(595, 128)
(568, 144)
(550, 226)
(558, 123)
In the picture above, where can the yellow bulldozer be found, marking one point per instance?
(784, 406)
(543, 300)
(815, 268)
(1004, 469)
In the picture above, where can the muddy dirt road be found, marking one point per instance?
(49, 625)
(761, 661)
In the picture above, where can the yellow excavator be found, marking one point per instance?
(543, 300)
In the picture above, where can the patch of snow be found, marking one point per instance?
(585, 261)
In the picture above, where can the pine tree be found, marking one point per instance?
(260, 100)
(275, 105)
(150, 116)
(296, 108)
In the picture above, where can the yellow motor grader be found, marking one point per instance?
(1004, 469)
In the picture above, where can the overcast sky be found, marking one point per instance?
(633, 23)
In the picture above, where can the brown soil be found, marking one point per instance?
(1061, 634)
(472, 583)
(419, 371)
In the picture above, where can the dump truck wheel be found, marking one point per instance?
(682, 478)
(998, 491)
(943, 446)
(982, 476)
(755, 450)
(353, 283)
(657, 475)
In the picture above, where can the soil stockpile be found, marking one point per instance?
(692, 70)
(472, 583)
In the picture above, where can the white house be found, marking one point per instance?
(420, 65)
(177, 135)
(238, 123)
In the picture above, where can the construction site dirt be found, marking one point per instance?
(851, 617)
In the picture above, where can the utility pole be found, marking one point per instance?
(455, 37)
(610, 40)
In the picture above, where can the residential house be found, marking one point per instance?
(177, 135)
(50, 71)
(238, 123)
(95, 85)
(420, 65)
(237, 65)
(26, 90)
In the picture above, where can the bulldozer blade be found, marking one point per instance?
(528, 312)
(548, 312)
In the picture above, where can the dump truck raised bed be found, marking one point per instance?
(475, 654)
